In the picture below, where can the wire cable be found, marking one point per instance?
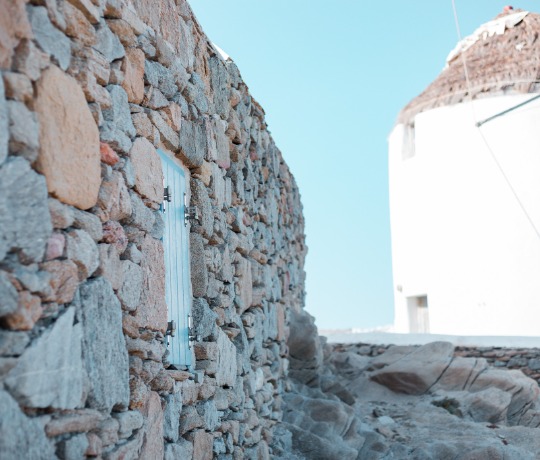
(482, 135)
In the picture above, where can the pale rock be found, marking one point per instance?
(417, 372)
(226, 363)
(77, 25)
(18, 87)
(108, 43)
(14, 26)
(245, 283)
(201, 199)
(113, 233)
(133, 68)
(168, 136)
(110, 265)
(147, 170)
(48, 37)
(81, 249)
(13, 343)
(89, 223)
(160, 77)
(210, 415)
(76, 421)
(107, 430)
(132, 254)
(181, 449)
(131, 289)
(193, 143)
(23, 131)
(220, 81)
(64, 280)
(199, 272)
(69, 155)
(152, 310)
(461, 373)
(4, 123)
(143, 125)
(29, 60)
(118, 129)
(27, 314)
(104, 349)
(489, 405)
(204, 319)
(50, 372)
(174, 116)
(17, 430)
(124, 32)
(171, 416)
(153, 437)
(154, 99)
(74, 447)
(141, 217)
(95, 446)
(189, 419)
(203, 444)
(129, 421)
(25, 222)
(90, 11)
(61, 214)
(113, 202)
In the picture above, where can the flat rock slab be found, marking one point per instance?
(418, 371)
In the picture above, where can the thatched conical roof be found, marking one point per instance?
(507, 62)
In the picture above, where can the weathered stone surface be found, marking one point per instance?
(89, 223)
(153, 433)
(418, 371)
(4, 122)
(129, 421)
(104, 350)
(200, 198)
(199, 272)
(50, 372)
(108, 43)
(90, 11)
(226, 363)
(113, 199)
(182, 449)
(113, 233)
(13, 343)
(160, 77)
(64, 280)
(152, 311)
(48, 37)
(133, 68)
(30, 60)
(171, 416)
(81, 249)
(8, 294)
(28, 312)
(141, 217)
(108, 155)
(19, 432)
(25, 223)
(204, 319)
(461, 373)
(245, 283)
(23, 131)
(14, 26)
(18, 87)
(131, 289)
(69, 156)
(110, 265)
(74, 447)
(147, 169)
(55, 246)
(77, 421)
(168, 136)
(203, 444)
(77, 25)
(193, 143)
(118, 129)
(489, 405)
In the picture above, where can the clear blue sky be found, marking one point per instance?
(332, 77)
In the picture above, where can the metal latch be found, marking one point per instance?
(192, 335)
(171, 328)
(190, 212)
(167, 195)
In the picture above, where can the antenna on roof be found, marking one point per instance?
(508, 9)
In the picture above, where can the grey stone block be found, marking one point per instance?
(48, 37)
(9, 297)
(199, 272)
(204, 319)
(219, 78)
(82, 250)
(180, 450)
(171, 416)
(19, 432)
(108, 44)
(4, 125)
(193, 143)
(50, 372)
(130, 292)
(23, 131)
(128, 422)
(104, 349)
(89, 223)
(73, 448)
(13, 343)
(160, 77)
(25, 222)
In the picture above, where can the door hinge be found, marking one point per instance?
(190, 212)
(192, 335)
(167, 194)
(171, 328)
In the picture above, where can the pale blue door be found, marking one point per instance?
(177, 263)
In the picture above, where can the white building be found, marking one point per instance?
(465, 199)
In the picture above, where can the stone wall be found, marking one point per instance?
(89, 90)
(527, 360)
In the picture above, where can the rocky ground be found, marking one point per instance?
(407, 403)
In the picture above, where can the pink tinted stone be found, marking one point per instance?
(114, 234)
(108, 155)
(55, 246)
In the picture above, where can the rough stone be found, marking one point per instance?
(182, 449)
(61, 215)
(30, 60)
(28, 312)
(74, 447)
(199, 272)
(147, 170)
(110, 265)
(18, 87)
(90, 11)
(48, 37)
(50, 372)
(17, 430)
(23, 130)
(193, 143)
(153, 436)
(129, 421)
(64, 280)
(418, 371)
(204, 319)
(171, 416)
(14, 26)
(152, 311)
(25, 223)
(78, 26)
(69, 139)
(13, 343)
(81, 249)
(113, 199)
(160, 77)
(108, 43)
(104, 349)
(8, 294)
(133, 68)
(141, 217)
(113, 233)
(168, 136)
(131, 289)
(77, 421)
(226, 363)
(4, 122)
(89, 223)
(108, 155)
(203, 445)
(118, 129)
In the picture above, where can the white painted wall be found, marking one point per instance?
(459, 235)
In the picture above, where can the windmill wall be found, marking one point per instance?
(89, 91)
